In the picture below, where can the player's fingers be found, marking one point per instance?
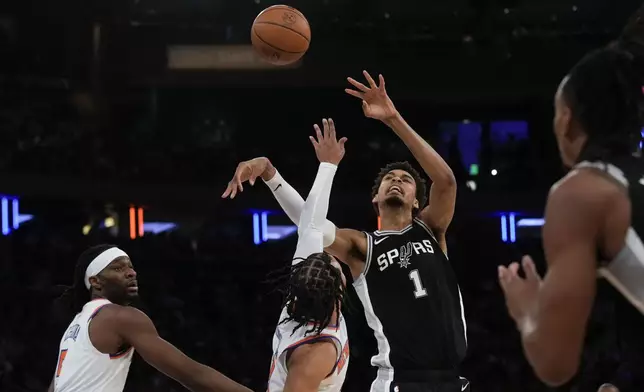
(325, 127)
(318, 133)
(354, 93)
(372, 83)
(315, 144)
(252, 177)
(514, 269)
(226, 191)
(332, 130)
(503, 277)
(530, 269)
(342, 141)
(358, 85)
(381, 79)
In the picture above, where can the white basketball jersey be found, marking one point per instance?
(81, 367)
(284, 342)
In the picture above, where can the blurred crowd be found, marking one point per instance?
(217, 301)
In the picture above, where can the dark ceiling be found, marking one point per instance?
(478, 48)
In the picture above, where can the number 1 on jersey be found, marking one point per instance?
(419, 291)
(61, 359)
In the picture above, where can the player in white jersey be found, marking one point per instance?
(594, 217)
(310, 344)
(97, 347)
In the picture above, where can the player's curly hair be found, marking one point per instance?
(313, 290)
(421, 184)
(604, 93)
(77, 295)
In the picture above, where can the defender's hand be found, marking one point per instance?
(246, 171)
(521, 295)
(327, 147)
(376, 103)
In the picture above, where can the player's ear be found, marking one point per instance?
(375, 199)
(95, 283)
(416, 203)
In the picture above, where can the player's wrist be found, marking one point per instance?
(269, 172)
(329, 166)
(394, 121)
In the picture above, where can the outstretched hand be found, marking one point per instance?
(246, 171)
(327, 146)
(521, 294)
(376, 103)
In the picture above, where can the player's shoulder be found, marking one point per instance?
(586, 185)
(318, 357)
(123, 316)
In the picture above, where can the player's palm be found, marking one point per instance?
(521, 295)
(327, 146)
(376, 103)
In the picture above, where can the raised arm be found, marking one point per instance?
(347, 245)
(442, 196)
(135, 328)
(552, 313)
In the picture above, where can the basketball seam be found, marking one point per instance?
(287, 28)
(273, 46)
(281, 7)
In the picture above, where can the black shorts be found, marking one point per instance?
(459, 385)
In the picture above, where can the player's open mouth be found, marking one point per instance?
(395, 188)
(133, 287)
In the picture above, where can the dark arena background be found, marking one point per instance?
(122, 121)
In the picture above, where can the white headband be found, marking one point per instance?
(101, 261)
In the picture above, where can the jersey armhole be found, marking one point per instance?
(315, 339)
(367, 258)
(431, 233)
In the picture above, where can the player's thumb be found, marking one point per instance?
(342, 141)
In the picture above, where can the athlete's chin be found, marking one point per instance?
(395, 201)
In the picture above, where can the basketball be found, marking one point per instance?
(281, 34)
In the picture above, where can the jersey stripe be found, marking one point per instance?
(626, 271)
(381, 359)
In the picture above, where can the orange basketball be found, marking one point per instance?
(281, 34)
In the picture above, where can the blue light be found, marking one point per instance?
(16, 213)
(264, 226)
(504, 229)
(513, 229)
(530, 222)
(256, 238)
(5, 216)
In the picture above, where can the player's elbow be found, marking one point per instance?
(557, 372)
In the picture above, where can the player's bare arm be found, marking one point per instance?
(309, 365)
(136, 329)
(347, 245)
(51, 386)
(376, 104)
(552, 313)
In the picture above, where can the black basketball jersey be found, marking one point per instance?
(412, 302)
(624, 294)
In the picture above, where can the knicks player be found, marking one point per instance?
(96, 350)
(594, 217)
(311, 345)
(401, 272)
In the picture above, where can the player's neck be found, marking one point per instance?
(394, 220)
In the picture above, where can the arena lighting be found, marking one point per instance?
(136, 222)
(11, 218)
(508, 225)
(158, 227)
(530, 222)
(5, 216)
(263, 231)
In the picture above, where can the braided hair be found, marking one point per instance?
(313, 291)
(421, 184)
(77, 295)
(604, 93)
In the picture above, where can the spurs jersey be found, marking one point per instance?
(412, 303)
(626, 271)
(285, 341)
(81, 367)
